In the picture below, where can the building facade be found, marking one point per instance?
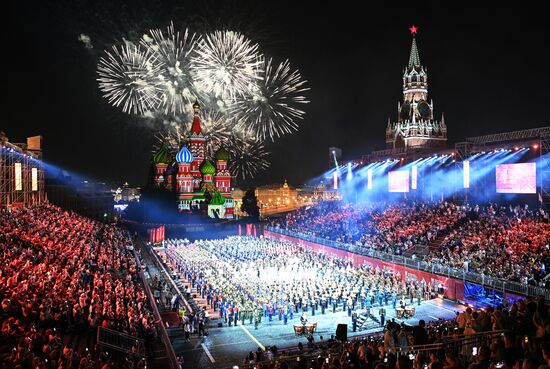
(193, 176)
(416, 126)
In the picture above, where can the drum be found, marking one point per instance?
(309, 328)
(399, 312)
(410, 311)
(298, 329)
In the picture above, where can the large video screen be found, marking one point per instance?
(398, 181)
(517, 178)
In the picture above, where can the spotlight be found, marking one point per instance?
(535, 146)
(452, 154)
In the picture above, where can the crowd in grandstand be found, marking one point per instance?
(504, 242)
(246, 277)
(62, 276)
(510, 242)
(393, 228)
(509, 337)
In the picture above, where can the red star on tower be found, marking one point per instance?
(413, 29)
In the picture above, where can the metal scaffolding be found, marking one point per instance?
(463, 150)
(526, 134)
(383, 155)
(21, 175)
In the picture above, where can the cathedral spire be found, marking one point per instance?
(196, 126)
(414, 59)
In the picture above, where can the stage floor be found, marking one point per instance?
(228, 346)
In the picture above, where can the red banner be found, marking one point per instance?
(156, 235)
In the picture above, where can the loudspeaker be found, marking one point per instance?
(342, 332)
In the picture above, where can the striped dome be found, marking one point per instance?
(162, 156)
(222, 154)
(184, 155)
(207, 167)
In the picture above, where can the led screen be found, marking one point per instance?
(369, 179)
(414, 179)
(516, 178)
(466, 165)
(34, 179)
(398, 181)
(18, 177)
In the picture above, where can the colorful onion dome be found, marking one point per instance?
(162, 156)
(207, 167)
(184, 155)
(222, 154)
(217, 199)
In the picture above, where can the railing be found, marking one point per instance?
(430, 267)
(459, 343)
(121, 342)
(463, 342)
(181, 294)
(172, 360)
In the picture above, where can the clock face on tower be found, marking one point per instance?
(405, 112)
(424, 109)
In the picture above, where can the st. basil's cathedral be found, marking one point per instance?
(193, 174)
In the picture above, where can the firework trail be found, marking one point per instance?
(217, 129)
(248, 157)
(271, 108)
(173, 49)
(225, 65)
(127, 78)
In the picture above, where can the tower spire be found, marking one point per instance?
(414, 59)
(196, 126)
(416, 126)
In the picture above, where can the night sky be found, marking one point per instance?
(488, 71)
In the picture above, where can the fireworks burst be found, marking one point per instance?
(249, 157)
(173, 49)
(244, 98)
(226, 64)
(270, 110)
(171, 139)
(127, 77)
(217, 130)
